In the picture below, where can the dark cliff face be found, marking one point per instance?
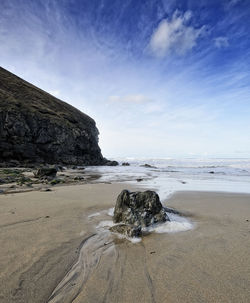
(37, 127)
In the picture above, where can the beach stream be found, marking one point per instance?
(107, 256)
(91, 251)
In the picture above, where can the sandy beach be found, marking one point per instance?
(42, 235)
(124, 151)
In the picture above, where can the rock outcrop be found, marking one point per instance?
(46, 173)
(111, 163)
(138, 209)
(148, 166)
(36, 127)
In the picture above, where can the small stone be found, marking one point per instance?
(148, 166)
(56, 181)
(78, 178)
(46, 189)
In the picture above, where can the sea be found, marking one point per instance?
(169, 175)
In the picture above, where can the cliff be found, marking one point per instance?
(36, 127)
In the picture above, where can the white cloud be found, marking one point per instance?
(152, 108)
(232, 3)
(175, 35)
(221, 42)
(139, 99)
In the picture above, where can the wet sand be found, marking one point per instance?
(40, 236)
(41, 233)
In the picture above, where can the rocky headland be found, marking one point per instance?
(36, 127)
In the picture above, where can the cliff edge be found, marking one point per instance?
(36, 127)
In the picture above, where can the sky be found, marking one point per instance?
(161, 78)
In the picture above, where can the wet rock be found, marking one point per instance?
(78, 178)
(148, 166)
(172, 211)
(46, 173)
(127, 230)
(59, 168)
(9, 175)
(14, 163)
(111, 163)
(56, 181)
(139, 208)
(45, 189)
(23, 180)
(125, 164)
(80, 168)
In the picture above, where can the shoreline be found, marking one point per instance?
(50, 226)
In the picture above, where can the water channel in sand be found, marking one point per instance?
(102, 244)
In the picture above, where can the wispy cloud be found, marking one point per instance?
(86, 55)
(221, 42)
(137, 99)
(232, 3)
(175, 35)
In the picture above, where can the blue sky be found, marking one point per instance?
(160, 78)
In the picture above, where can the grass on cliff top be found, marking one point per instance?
(21, 96)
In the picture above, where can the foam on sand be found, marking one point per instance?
(94, 215)
(110, 211)
(176, 224)
(106, 223)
